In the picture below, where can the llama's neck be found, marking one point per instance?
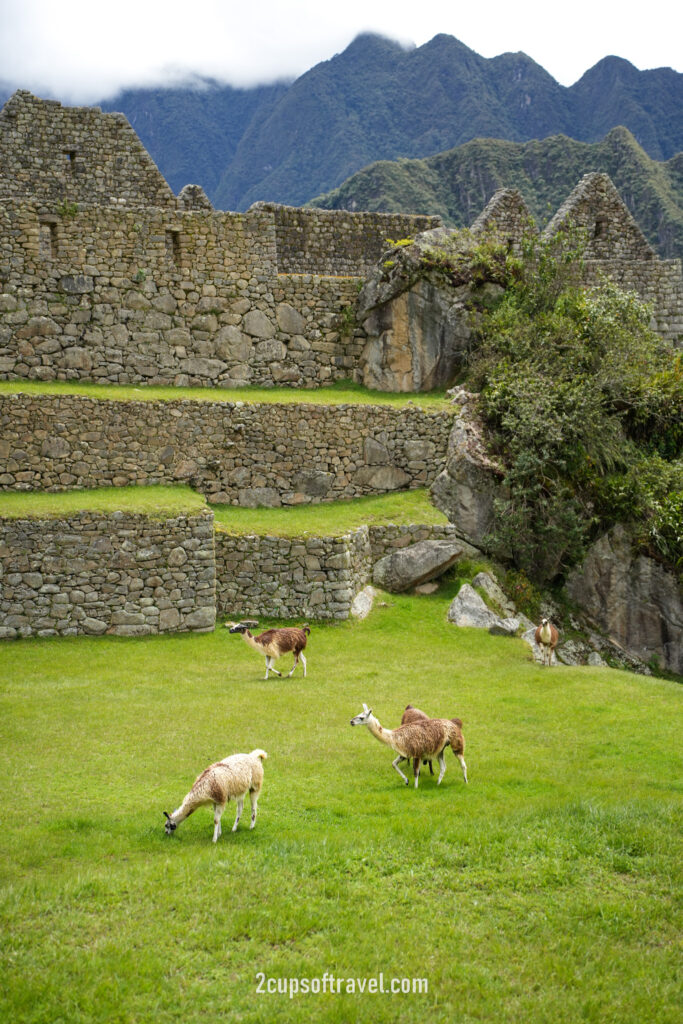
(383, 735)
(251, 641)
(546, 635)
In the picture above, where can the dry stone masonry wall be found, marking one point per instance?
(234, 453)
(122, 574)
(305, 577)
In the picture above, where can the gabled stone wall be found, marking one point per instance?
(75, 155)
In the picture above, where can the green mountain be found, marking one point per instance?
(378, 100)
(457, 184)
(193, 133)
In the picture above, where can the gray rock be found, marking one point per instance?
(361, 606)
(416, 564)
(469, 609)
(290, 320)
(631, 598)
(488, 584)
(506, 627)
(257, 324)
(382, 478)
(201, 619)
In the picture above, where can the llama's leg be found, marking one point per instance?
(431, 767)
(296, 658)
(461, 759)
(303, 662)
(253, 797)
(240, 805)
(395, 763)
(267, 665)
(442, 767)
(416, 770)
(217, 812)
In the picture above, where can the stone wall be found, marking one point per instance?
(305, 577)
(596, 209)
(234, 453)
(93, 573)
(337, 242)
(130, 575)
(182, 297)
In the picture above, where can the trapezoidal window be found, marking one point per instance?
(173, 247)
(47, 239)
(600, 229)
(70, 158)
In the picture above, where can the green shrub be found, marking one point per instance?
(582, 403)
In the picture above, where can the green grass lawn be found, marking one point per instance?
(544, 891)
(150, 501)
(341, 393)
(329, 519)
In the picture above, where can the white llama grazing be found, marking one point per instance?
(234, 776)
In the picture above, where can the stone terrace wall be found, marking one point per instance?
(337, 242)
(75, 154)
(286, 578)
(93, 573)
(305, 577)
(232, 452)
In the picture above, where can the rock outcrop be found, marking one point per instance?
(470, 483)
(632, 598)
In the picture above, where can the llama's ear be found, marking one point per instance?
(366, 709)
(167, 815)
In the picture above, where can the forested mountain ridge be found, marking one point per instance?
(377, 100)
(457, 184)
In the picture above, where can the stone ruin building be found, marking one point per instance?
(107, 277)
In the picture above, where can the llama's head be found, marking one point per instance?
(170, 825)
(544, 622)
(363, 717)
(241, 627)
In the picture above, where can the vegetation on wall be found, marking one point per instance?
(582, 403)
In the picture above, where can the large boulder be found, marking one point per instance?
(416, 564)
(632, 598)
(467, 488)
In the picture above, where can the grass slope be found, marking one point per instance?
(544, 890)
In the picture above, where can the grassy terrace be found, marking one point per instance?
(345, 393)
(330, 519)
(545, 890)
(158, 502)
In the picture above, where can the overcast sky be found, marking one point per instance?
(84, 50)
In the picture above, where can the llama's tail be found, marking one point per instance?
(305, 629)
(259, 753)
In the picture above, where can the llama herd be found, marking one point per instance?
(419, 738)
